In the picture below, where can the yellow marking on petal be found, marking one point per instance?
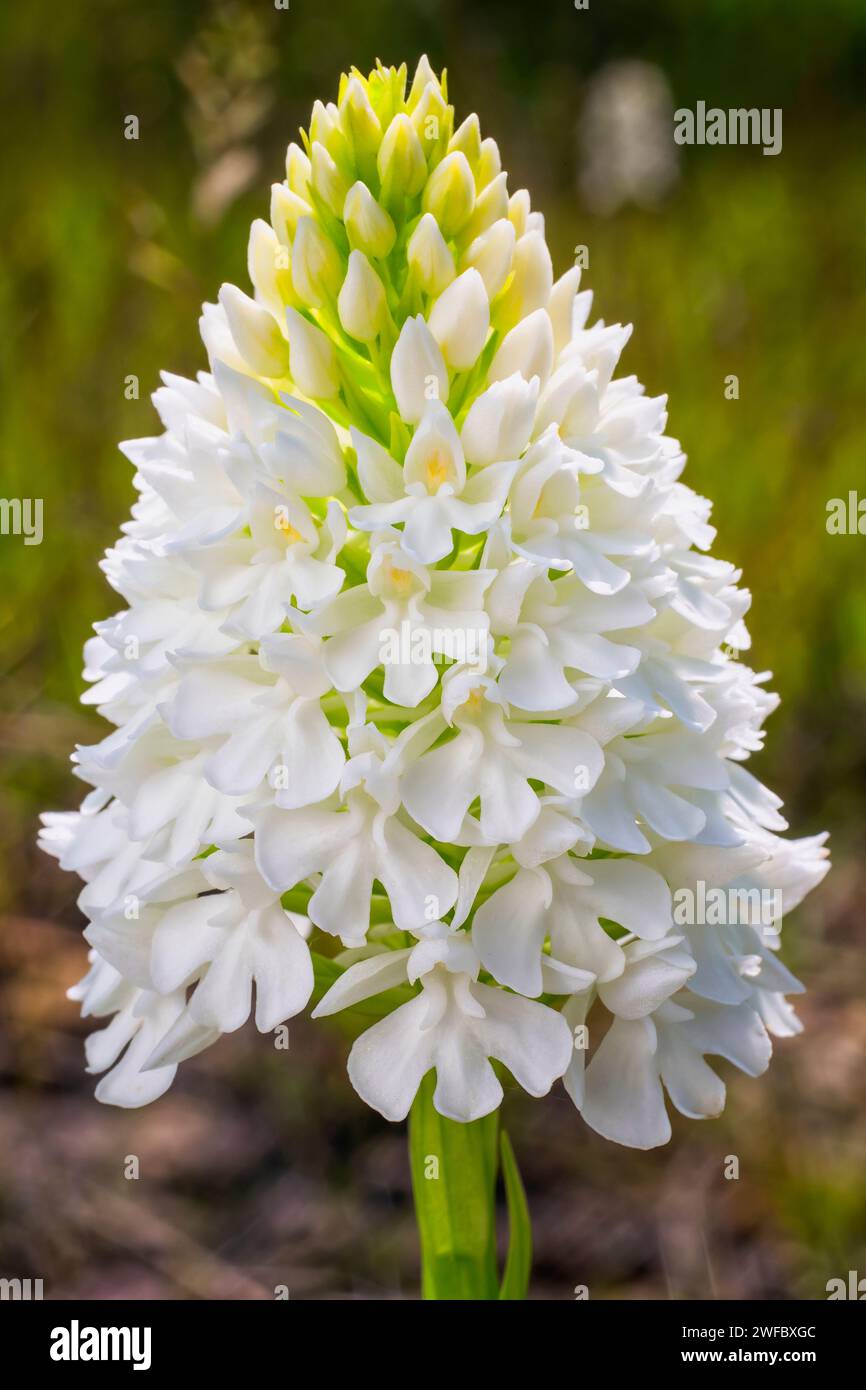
(474, 701)
(401, 579)
(438, 470)
(291, 533)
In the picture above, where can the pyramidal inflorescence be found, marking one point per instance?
(424, 665)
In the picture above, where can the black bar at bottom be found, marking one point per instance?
(258, 1338)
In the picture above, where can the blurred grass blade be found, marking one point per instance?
(515, 1280)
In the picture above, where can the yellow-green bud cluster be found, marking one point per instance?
(388, 212)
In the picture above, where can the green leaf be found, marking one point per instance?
(325, 972)
(454, 1181)
(515, 1280)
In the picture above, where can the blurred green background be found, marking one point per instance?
(259, 1167)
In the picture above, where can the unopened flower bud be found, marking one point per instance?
(450, 193)
(527, 349)
(287, 209)
(317, 271)
(429, 256)
(500, 421)
(312, 359)
(326, 127)
(401, 163)
(298, 170)
(491, 255)
(460, 320)
(255, 332)
(360, 123)
(424, 75)
(386, 88)
(361, 302)
(490, 205)
(327, 180)
(418, 371)
(468, 139)
(531, 282)
(432, 118)
(270, 267)
(489, 163)
(368, 225)
(560, 306)
(518, 211)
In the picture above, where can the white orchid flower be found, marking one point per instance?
(285, 558)
(431, 495)
(492, 758)
(555, 628)
(433, 605)
(454, 1025)
(264, 728)
(351, 843)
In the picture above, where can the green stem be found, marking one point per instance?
(454, 1183)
